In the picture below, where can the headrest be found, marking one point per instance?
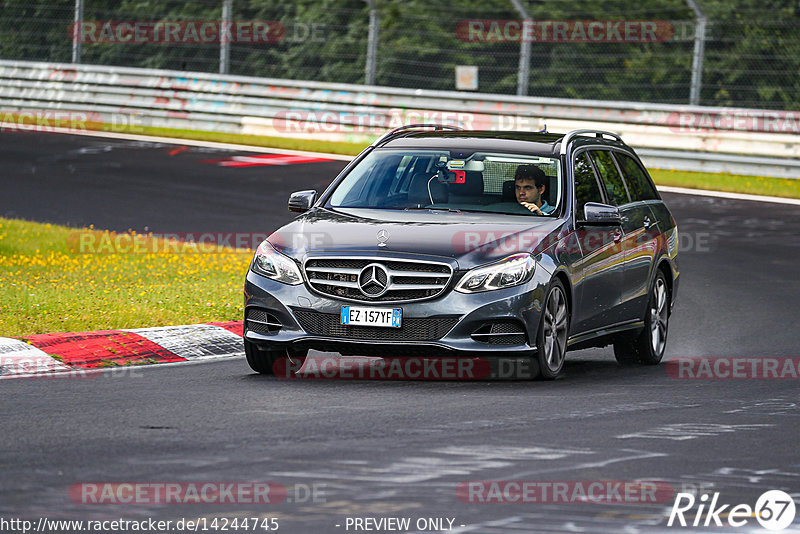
(424, 186)
(550, 190)
(472, 186)
(509, 191)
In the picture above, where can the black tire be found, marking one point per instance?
(262, 361)
(551, 338)
(647, 347)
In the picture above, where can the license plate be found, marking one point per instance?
(384, 317)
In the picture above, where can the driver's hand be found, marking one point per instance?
(532, 207)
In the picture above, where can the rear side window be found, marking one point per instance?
(610, 176)
(639, 186)
(586, 187)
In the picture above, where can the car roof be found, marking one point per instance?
(538, 143)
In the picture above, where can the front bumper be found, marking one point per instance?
(440, 326)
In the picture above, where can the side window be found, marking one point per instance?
(586, 188)
(610, 176)
(639, 185)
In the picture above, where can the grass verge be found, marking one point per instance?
(51, 282)
(309, 145)
(731, 183)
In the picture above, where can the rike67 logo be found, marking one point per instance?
(774, 510)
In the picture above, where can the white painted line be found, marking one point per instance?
(123, 371)
(19, 358)
(722, 194)
(191, 142)
(194, 342)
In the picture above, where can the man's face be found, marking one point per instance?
(528, 192)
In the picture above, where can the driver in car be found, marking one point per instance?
(530, 182)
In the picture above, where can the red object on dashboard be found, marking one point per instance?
(461, 177)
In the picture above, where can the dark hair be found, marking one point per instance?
(531, 172)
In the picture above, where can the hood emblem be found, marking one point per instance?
(383, 237)
(373, 280)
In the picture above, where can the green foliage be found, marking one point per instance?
(752, 47)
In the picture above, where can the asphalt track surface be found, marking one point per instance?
(385, 448)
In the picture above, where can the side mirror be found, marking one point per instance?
(301, 201)
(596, 214)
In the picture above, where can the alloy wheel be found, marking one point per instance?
(658, 316)
(555, 328)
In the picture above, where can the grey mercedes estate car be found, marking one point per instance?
(436, 241)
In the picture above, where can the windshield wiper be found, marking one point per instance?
(451, 210)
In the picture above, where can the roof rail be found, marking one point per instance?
(397, 131)
(574, 133)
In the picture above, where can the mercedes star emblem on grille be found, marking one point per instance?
(373, 280)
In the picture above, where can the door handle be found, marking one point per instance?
(617, 235)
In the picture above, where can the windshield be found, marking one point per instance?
(450, 180)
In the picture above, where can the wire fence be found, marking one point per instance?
(749, 53)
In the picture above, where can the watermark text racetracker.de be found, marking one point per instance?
(259, 523)
(309, 122)
(499, 241)
(580, 241)
(201, 492)
(734, 120)
(55, 120)
(16, 367)
(734, 368)
(105, 242)
(195, 32)
(405, 368)
(564, 31)
(564, 491)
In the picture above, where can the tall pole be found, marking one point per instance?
(224, 42)
(76, 32)
(523, 72)
(699, 52)
(372, 44)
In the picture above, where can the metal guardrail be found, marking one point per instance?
(667, 136)
(716, 163)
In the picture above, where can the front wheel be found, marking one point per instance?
(648, 346)
(551, 340)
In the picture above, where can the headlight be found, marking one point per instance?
(272, 264)
(509, 272)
